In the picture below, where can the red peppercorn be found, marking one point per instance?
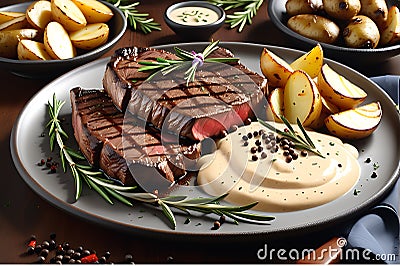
(32, 243)
(92, 258)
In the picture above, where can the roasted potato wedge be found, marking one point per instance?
(361, 32)
(32, 50)
(9, 40)
(338, 90)
(94, 11)
(8, 15)
(391, 31)
(276, 104)
(314, 27)
(302, 99)
(68, 14)
(327, 109)
(38, 14)
(274, 68)
(57, 41)
(15, 24)
(355, 123)
(310, 62)
(342, 9)
(90, 37)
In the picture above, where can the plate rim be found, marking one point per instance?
(132, 228)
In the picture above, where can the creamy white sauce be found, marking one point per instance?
(277, 185)
(193, 15)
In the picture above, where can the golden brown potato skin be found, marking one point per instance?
(377, 10)
(9, 41)
(342, 9)
(361, 32)
(296, 7)
(314, 27)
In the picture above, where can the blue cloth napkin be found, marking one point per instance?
(378, 231)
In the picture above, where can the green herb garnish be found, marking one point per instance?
(299, 141)
(167, 66)
(203, 205)
(241, 17)
(69, 157)
(108, 189)
(136, 19)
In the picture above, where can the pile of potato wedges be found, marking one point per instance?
(351, 23)
(308, 89)
(54, 30)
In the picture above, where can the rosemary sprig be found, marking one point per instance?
(242, 17)
(135, 18)
(185, 57)
(203, 205)
(108, 189)
(94, 179)
(302, 143)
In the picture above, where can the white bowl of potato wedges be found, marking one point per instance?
(354, 32)
(44, 39)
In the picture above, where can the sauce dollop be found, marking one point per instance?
(193, 15)
(278, 184)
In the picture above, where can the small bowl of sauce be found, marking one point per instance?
(194, 20)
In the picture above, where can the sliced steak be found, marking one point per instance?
(114, 142)
(220, 97)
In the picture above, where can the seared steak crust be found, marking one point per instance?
(221, 96)
(112, 141)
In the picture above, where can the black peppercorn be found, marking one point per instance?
(289, 158)
(52, 244)
(107, 255)
(217, 225)
(102, 260)
(44, 253)
(30, 250)
(76, 255)
(249, 135)
(285, 147)
(303, 153)
(41, 259)
(244, 137)
(253, 149)
(38, 248)
(264, 155)
(128, 258)
(245, 144)
(260, 149)
(254, 157)
(258, 142)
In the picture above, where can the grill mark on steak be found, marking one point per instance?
(108, 140)
(221, 95)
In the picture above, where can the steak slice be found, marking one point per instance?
(221, 96)
(114, 142)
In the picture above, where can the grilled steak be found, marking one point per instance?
(220, 97)
(114, 142)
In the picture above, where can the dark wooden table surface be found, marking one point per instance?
(23, 213)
